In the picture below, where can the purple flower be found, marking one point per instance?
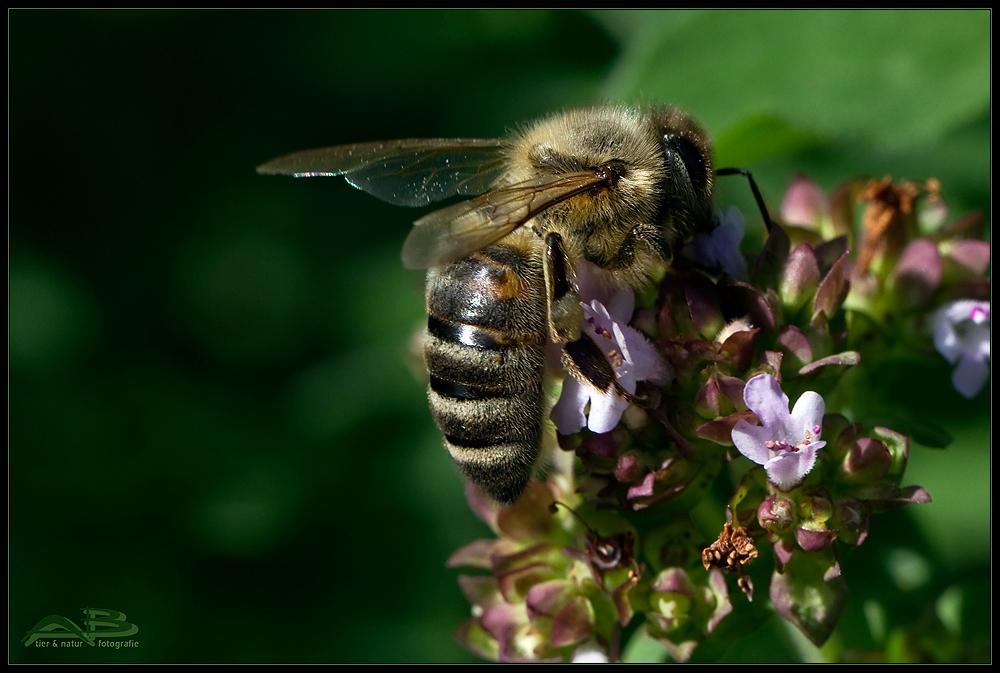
(962, 334)
(631, 355)
(721, 248)
(805, 204)
(786, 444)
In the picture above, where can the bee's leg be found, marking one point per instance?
(565, 312)
(643, 234)
(581, 356)
(588, 364)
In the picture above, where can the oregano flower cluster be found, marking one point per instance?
(739, 364)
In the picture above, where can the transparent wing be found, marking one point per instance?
(413, 172)
(452, 233)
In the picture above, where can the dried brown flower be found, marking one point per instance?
(733, 550)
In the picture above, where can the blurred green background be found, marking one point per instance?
(216, 423)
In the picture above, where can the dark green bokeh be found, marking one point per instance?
(217, 426)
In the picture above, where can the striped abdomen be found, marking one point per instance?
(485, 352)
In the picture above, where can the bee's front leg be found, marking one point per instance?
(640, 239)
(565, 311)
(581, 356)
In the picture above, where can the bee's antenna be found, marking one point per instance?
(768, 222)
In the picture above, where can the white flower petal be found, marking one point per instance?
(647, 363)
(788, 468)
(589, 653)
(764, 397)
(749, 439)
(605, 412)
(567, 414)
(621, 305)
(979, 339)
(808, 414)
(970, 376)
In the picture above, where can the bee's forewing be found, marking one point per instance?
(411, 172)
(452, 233)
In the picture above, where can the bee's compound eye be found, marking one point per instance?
(691, 155)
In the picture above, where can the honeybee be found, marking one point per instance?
(620, 188)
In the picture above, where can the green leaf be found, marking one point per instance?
(887, 76)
